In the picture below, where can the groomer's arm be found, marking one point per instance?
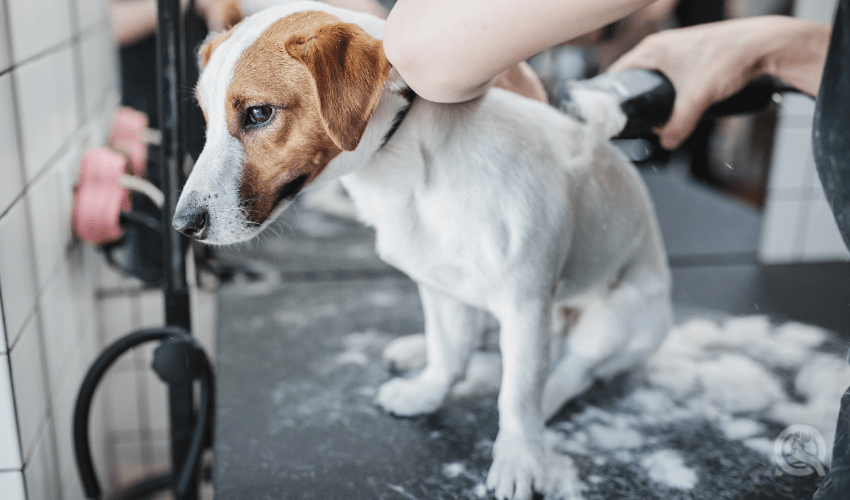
(132, 20)
(450, 50)
(711, 62)
(368, 6)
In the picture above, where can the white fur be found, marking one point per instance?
(500, 207)
(668, 468)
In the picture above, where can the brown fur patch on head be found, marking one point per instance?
(322, 98)
(345, 63)
(210, 44)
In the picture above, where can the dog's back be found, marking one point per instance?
(521, 178)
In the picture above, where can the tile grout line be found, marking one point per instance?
(16, 123)
(63, 149)
(59, 267)
(142, 396)
(79, 36)
(77, 54)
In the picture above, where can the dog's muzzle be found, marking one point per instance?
(192, 218)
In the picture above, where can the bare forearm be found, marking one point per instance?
(368, 6)
(711, 62)
(132, 20)
(798, 53)
(450, 50)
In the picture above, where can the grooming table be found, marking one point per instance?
(300, 339)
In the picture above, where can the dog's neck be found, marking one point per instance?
(410, 95)
(395, 102)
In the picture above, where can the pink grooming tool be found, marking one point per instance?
(102, 166)
(99, 198)
(136, 151)
(128, 135)
(96, 213)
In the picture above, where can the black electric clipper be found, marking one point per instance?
(647, 96)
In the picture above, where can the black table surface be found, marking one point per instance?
(299, 342)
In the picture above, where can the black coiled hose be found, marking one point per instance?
(82, 410)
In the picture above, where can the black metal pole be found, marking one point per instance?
(169, 53)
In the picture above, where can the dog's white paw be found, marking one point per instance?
(409, 397)
(517, 468)
(407, 353)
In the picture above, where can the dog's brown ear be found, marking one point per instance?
(349, 69)
(210, 44)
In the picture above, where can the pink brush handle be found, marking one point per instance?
(99, 198)
(128, 135)
(96, 213)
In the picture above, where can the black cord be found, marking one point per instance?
(200, 429)
(82, 410)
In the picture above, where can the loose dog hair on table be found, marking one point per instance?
(499, 207)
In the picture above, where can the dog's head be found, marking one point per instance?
(284, 93)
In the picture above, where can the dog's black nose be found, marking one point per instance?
(192, 222)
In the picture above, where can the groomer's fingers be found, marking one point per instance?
(696, 80)
(687, 112)
(649, 54)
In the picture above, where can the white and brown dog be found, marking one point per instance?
(501, 206)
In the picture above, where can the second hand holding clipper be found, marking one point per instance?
(646, 97)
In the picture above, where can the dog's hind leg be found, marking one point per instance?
(452, 331)
(614, 333)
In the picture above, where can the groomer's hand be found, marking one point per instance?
(220, 15)
(711, 62)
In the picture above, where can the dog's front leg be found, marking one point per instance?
(518, 466)
(452, 331)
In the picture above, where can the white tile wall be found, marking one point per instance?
(63, 411)
(45, 227)
(798, 224)
(10, 449)
(130, 455)
(11, 185)
(117, 317)
(16, 270)
(99, 67)
(92, 12)
(37, 25)
(822, 238)
(4, 45)
(157, 399)
(12, 485)
(123, 395)
(792, 153)
(59, 324)
(40, 473)
(782, 223)
(38, 89)
(65, 87)
(3, 346)
(29, 387)
(815, 10)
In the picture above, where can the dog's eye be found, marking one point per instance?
(257, 115)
